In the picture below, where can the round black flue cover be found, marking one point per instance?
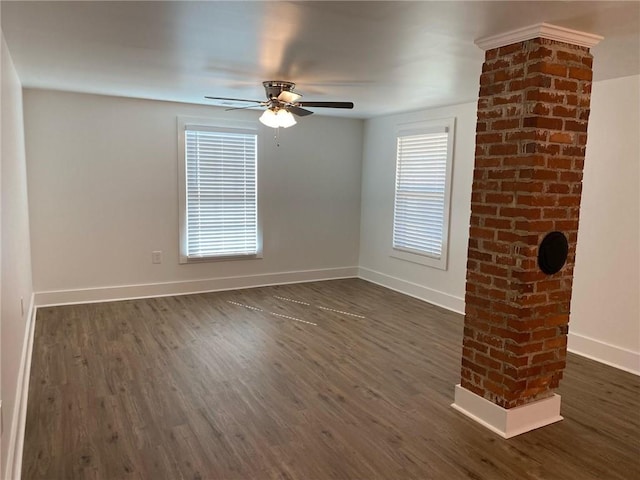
(552, 253)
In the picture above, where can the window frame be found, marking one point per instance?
(183, 122)
(422, 128)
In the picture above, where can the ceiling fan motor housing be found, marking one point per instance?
(274, 88)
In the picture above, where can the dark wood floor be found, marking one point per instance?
(355, 382)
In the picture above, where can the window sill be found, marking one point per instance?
(221, 258)
(439, 263)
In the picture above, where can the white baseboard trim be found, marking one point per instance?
(435, 297)
(603, 352)
(13, 469)
(507, 422)
(128, 292)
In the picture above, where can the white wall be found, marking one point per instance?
(16, 256)
(605, 308)
(444, 288)
(103, 182)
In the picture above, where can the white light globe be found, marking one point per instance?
(270, 119)
(285, 118)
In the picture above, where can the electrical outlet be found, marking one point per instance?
(156, 256)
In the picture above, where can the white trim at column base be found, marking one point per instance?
(507, 422)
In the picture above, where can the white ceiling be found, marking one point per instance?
(384, 56)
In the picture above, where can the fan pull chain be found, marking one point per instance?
(276, 137)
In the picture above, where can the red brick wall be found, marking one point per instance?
(530, 145)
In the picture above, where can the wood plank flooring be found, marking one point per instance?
(327, 380)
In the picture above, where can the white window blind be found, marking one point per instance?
(221, 193)
(421, 193)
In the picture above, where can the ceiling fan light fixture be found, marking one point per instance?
(270, 119)
(285, 118)
(277, 118)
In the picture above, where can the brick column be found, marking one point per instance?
(531, 134)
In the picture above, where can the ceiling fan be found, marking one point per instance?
(282, 104)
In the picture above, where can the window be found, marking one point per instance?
(422, 192)
(218, 192)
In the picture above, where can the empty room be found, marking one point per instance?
(320, 240)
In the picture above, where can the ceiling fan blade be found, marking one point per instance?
(301, 112)
(327, 104)
(241, 108)
(234, 99)
(289, 97)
